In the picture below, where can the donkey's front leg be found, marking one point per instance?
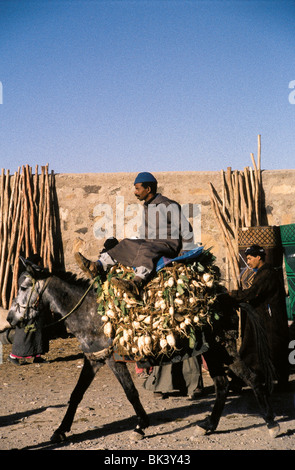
(210, 424)
(86, 376)
(122, 373)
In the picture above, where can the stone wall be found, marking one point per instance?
(79, 194)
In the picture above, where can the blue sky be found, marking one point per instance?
(166, 85)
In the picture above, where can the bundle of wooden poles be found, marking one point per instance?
(238, 206)
(25, 224)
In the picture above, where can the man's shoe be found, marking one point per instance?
(130, 287)
(91, 268)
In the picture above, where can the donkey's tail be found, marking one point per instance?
(263, 351)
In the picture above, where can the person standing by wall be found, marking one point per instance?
(267, 295)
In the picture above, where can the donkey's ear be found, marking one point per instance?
(24, 261)
(33, 268)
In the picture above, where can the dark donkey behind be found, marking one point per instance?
(40, 291)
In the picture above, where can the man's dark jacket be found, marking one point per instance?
(267, 296)
(158, 238)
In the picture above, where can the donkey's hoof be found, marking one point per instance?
(199, 431)
(274, 430)
(137, 435)
(58, 437)
(204, 427)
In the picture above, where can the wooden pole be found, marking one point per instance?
(47, 224)
(226, 238)
(244, 211)
(257, 190)
(25, 215)
(259, 176)
(35, 188)
(5, 227)
(31, 210)
(20, 240)
(249, 196)
(2, 205)
(14, 230)
(236, 208)
(230, 192)
(11, 214)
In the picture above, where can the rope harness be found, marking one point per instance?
(75, 307)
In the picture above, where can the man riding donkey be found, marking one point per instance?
(164, 232)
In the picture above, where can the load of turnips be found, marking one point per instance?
(178, 300)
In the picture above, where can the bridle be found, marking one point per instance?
(36, 303)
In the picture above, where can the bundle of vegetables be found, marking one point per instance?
(178, 300)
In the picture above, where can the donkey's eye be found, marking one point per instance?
(23, 288)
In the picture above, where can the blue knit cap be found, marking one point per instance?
(145, 177)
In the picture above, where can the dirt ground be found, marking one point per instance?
(34, 399)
